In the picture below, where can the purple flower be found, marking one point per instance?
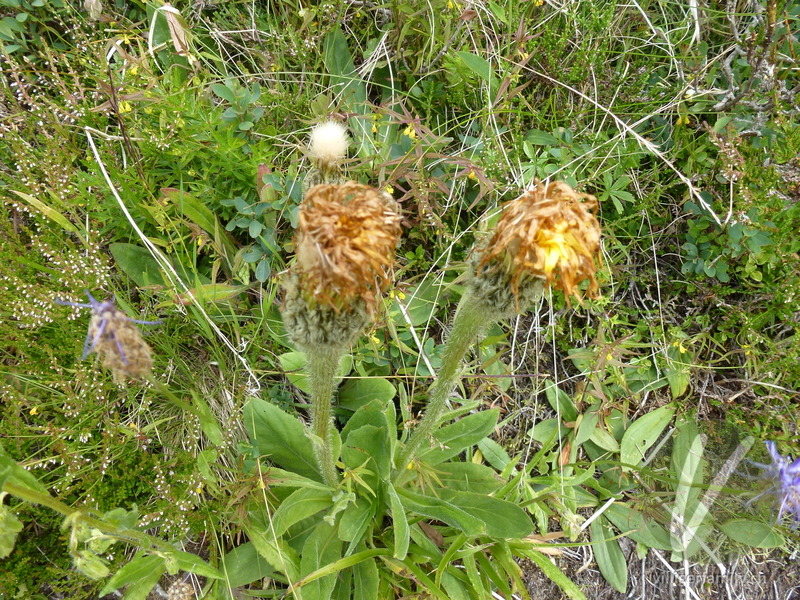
(113, 336)
(785, 476)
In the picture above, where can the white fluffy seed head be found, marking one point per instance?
(328, 144)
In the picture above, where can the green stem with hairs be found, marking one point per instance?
(125, 534)
(323, 364)
(472, 318)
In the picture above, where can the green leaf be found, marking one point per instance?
(586, 427)
(281, 438)
(455, 438)
(294, 365)
(263, 270)
(365, 580)
(300, 505)
(604, 439)
(608, 555)
(11, 472)
(191, 563)
(355, 393)
(639, 528)
(752, 533)
(141, 574)
(553, 573)
(402, 534)
(500, 518)
(49, 212)
(137, 263)
(10, 526)
(224, 92)
(494, 453)
(355, 519)
(368, 444)
(481, 67)
(560, 402)
(442, 510)
(541, 138)
(244, 565)
(322, 548)
(468, 477)
(642, 434)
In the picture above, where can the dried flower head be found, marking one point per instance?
(116, 339)
(785, 483)
(550, 233)
(345, 244)
(328, 144)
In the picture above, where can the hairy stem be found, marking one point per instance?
(323, 362)
(470, 321)
(124, 534)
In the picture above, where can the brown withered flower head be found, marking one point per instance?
(346, 242)
(345, 246)
(549, 233)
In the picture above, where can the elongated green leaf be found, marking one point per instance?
(281, 438)
(143, 572)
(752, 533)
(178, 560)
(282, 557)
(560, 402)
(299, 505)
(482, 68)
(365, 580)
(468, 477)
(554, 574)
(436, 508)
(500, 518)
(48, 211)
(455, 438)
(355, 519)
(642, 434)
(608, 555)
(494, 453)
(402, 534)
(322, 548)
(11, 472)
(244, 565)
(368, 444)
(636, 526)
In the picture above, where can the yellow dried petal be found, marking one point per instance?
(549, 232)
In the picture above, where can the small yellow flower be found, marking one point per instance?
(375, 339)
(125, 107)
(33, 411)
(133, 70)
(410, 132)
(388, 189)
(374, 128)
(471, 175)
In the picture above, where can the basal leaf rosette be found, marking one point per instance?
(345, 244)
(549, 234)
